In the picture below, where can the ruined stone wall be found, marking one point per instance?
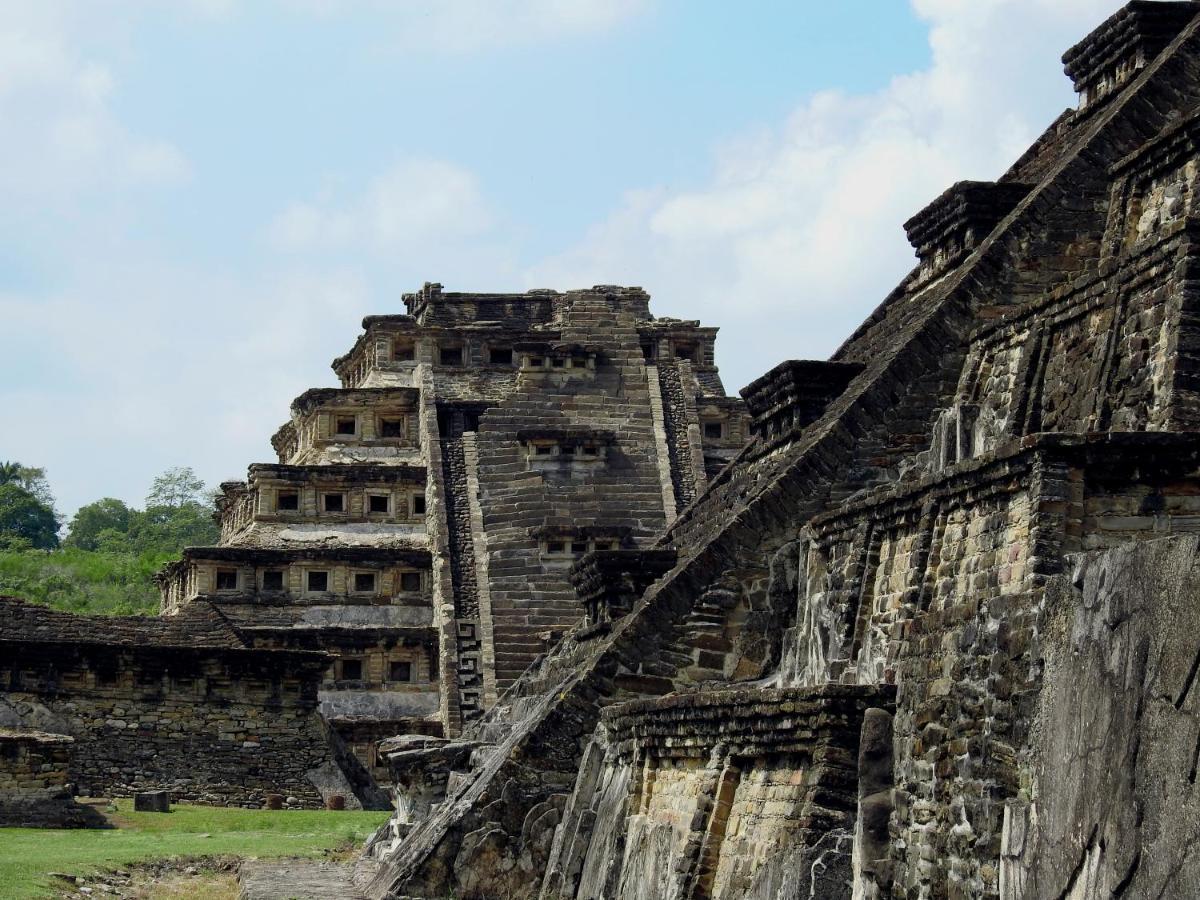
(213, 727)
(1094, 356)
(35, 785)
(678, 429)
(939, 589)
(458, 515)
(922, 512)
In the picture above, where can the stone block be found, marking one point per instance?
(152, 801)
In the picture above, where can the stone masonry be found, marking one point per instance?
(422, 519)
(35, 785)
(930, 634)
(184, 705)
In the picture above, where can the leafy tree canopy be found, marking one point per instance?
(175, 488)
(112, 550)
(104, 517)
(178, 514)
(23, 517)
(30, 478)
(169, 529)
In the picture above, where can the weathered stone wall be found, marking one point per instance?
(693, 795)
(677, 428)
(1091, 356)
(209, 723)
(35, 786)
(218, 740)
(458, 514)
(616, 498)
(939, 588)
(1108, 799)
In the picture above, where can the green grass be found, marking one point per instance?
(84, 581)
(28, 855)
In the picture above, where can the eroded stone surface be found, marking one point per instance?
(1112, 802)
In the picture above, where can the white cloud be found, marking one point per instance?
(58, 133)
(415, 203)
(162, 365)
(797, 234)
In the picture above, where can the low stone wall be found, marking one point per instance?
(192, 726)
(35, 788)
(706, 794)
(221, 725)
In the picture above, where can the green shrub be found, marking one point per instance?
(84, 581)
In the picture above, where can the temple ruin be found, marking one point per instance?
(917, 621)
(126, 704)
(422, 519)
(932, 633)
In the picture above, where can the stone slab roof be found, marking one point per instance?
(258, 616)
(200, 626)
(401, 551)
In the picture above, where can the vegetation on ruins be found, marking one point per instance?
(29, 855)
(106, 562)
(177, 514)
(27, 516)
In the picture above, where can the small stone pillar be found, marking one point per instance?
(872, 878)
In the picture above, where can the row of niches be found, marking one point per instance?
(312, 581)
(370, 503)
(459, 354)
(364, 426)
(410, 351)
(381, 668)
(567, 548)
(155, 681)
(550, 452)
(534, 363)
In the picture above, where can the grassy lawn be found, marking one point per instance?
(27, 855)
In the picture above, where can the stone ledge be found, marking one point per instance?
(745, 721)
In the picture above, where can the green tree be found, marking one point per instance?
(24, 516)
(168, 529)
(105, 519)
(178, 514)
(30, 478)
(176, 487)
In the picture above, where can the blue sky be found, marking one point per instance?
(200, 200)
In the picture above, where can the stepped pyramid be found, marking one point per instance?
(421, 519)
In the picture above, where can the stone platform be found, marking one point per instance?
(297, 879)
